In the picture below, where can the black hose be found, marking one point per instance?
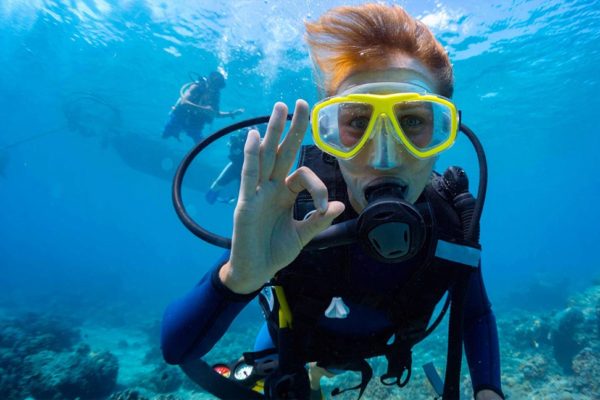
(189, 223)
(483, 180)
(225, 242)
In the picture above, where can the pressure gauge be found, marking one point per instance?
(242, 371)
(222, 370)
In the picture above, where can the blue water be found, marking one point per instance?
(82, 230)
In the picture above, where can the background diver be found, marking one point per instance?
(232, 171)
(197, 105)
(385, 118)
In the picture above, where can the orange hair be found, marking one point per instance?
(349, 39)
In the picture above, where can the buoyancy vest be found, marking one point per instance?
(315, 278)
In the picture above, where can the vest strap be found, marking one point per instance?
(458, 253)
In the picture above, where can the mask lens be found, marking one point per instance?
(343, 125)
(426, 124)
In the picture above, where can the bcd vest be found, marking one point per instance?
(316, 278)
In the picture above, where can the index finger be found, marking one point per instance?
(286, 153)
(250, 167)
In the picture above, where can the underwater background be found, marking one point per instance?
(91, 250)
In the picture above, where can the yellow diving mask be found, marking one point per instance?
(391, 114)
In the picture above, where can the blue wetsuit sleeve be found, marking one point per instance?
(192, 324)
(481, 338)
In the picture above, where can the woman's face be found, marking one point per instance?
(383, 156)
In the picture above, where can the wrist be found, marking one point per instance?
(235, 282)
(487, 394)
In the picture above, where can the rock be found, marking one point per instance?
(564, 338)
(534, 368)
(51, 332)
(531, 333)
(165, 379)
(33, 333)
(153, 356)
(82, 374)
(166, 397)
(128, 394)
(586, 366)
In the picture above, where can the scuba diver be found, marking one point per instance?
(197, 105)
(384, 118)
(233, 169)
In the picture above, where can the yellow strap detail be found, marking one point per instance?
(285, 315)
(259, 386)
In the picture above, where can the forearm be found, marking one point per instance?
(483, 354)
(198, 106)
(481, 339)
(195, 322)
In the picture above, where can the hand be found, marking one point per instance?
(209, 111)
(266, 237)
(487, 394)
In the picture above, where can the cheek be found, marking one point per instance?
(352, 173)
(357, 165)
(419, 177)
(424, 167)
(420, 171)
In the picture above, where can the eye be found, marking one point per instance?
(411, 122)
(360, 123)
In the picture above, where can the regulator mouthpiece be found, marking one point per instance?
(390, 229)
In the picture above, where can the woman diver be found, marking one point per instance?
(385, 116)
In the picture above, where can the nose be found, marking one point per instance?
(386, 149)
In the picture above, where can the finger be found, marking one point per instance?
(305, 179)
(249, 177)
(290, 145)
(317, 222)
(268, 147)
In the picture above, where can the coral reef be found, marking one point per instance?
(32, 333)
(142, 394)
(165, 379)
(36, 361)
(129, 394)
(586, 366)
(81, 374)
(550, 354)
(534, 368)
(531, 331)
(553, 355)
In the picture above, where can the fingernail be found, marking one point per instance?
(323, 206)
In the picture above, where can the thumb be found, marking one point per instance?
(318, 222)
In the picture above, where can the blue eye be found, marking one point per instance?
(411, 122)
(360, 123)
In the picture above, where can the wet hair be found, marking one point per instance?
(216, 79)
(350, 39)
